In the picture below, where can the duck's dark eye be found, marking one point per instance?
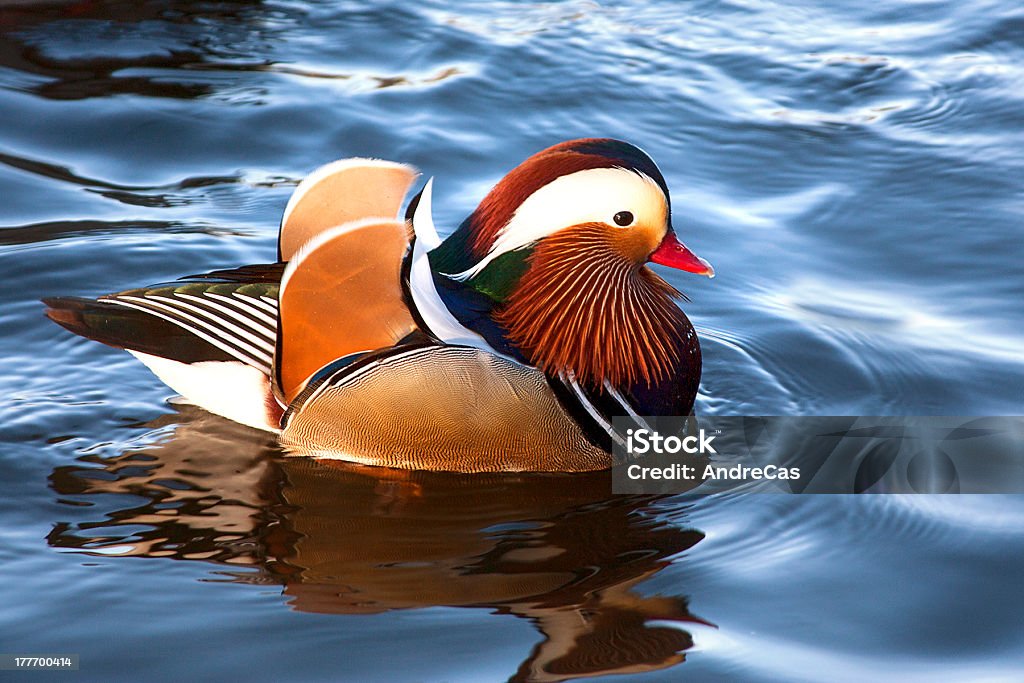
(623, 218)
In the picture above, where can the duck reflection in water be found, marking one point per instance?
(346, 539)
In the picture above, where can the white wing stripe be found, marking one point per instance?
(252, 303)
(266, 303)
(263, 330)
(223, 346)
(262, 320)
(256, 308)
(217, 331)
(219, 323)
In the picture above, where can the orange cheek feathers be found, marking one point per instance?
(637, 242)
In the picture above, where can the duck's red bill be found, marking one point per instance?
(674, 254)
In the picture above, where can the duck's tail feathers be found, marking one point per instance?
(191, 355)
(131, 329)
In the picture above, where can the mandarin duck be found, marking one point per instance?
(509, 346)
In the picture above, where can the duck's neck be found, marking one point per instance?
(453, 254)
(496, 281)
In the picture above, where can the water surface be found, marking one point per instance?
(851, 170)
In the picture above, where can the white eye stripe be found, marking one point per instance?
(592, 196)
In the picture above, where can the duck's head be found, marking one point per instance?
(560, 246)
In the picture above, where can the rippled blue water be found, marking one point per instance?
(852, 170)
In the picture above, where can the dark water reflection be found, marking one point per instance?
(104, 39)
(344, 539)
